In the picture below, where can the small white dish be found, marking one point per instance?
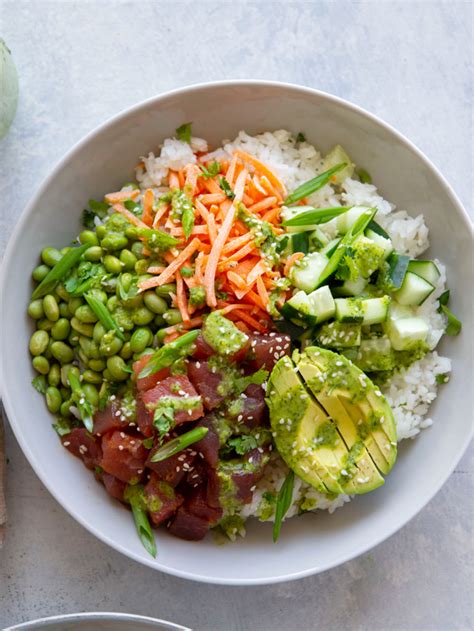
(102, 162)
(98, 621)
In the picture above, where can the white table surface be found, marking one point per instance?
(81, 62)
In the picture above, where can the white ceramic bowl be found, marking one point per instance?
(105, 159)
(98, 621)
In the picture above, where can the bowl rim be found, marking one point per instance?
(12, 248)
(97, 616)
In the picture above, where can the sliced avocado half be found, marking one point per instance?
(330, 423)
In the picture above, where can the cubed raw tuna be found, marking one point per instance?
(267, 348)
(123, 456)
(83, 445)
(206, 383)
(185, 525)
(173, 469)
(145, 383)
(161, 500)
(178, 387)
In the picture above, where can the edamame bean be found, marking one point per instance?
(107, 376)
(117, 368)
(97, 365)
(82, 327)
(54, 375)
(91, 393)
(65, 370)
(75, 303)
(131, 232)
(114, 241)
(50, 308)
(159, 321)
(126, 280)
(128, 259)
(165, 290)
(85, 314)
(82, 357)
(142, 316)
(141, 266)
(51, 256)
(99, 295)
(44, 324)
(140, 339)
(172, 316)
(94, 253)
(63, 251)
(61, 329)
(61, 291)
(40, 272)
(99, 332)
(65, 393)
(155, 303)
(137, 249)
(62, 352)
(160, 335)
(39, 342)
(41, 364)
(64, 409)
(53, 399)
(35, 309)
(89, 347)
(101, 231)
(126, 351)
(64, 310)
(73, 338)
(89, 237)
(112, 303)
(112, 264)
(91, 376)
(110, 344)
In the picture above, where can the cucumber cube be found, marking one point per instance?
(406, 333)
(414, 290)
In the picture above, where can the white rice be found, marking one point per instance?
(411, 391)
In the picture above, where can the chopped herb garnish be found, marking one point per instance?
(300, 137)
(242, 444)
(364, 176)
(442, 378)
(104, 315)
(225, 186)
(96, 209)
(182, 209)
(165, 356)
(62, 427)
(313, 185)
(211, 170)
(59, 271)
(179, 443)
(283, 503)
(133, 207)
(197, 296)
(39, 383)
(454, 325)
(186, 272)
(444, 298)
(148, 442)
(184, 132)
(163, 420)
(242, 383)
(83, 277)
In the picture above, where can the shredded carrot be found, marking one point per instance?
(247, 249)
(263, 205)
(272, 215)
(259, 269)
(191, 324)
(262, 168)
(211, 267)
(237, 280)
(291, 261)
(173, 180)
(212, 186)
(121, 196)
(192, 173)
(262, 292)
(237, 242)
(181, 178)
(229, 176)
(181, 300)
(169, 272)
(255, 299)
(160, 213)
(270, 189)
(213, 198)
(179, 232)
(120, 208)
(148, 200)
(248, 319)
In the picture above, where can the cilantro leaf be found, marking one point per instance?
(39, 384)
(225, 186)
(300, 137)
(211, 170)
(62, 427)
(133, 207)
(183, 132)
(242, 444)
(96, 209)
(148, 442)
(242, 383)
(163, 419)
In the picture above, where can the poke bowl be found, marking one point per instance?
(244, 296)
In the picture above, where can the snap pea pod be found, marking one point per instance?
(104, 315)
(283, 503)
(169, 353)
(316, 216)
(349, 238)
(179, 443)
(83, 405)
(313, 185)
(59, 271)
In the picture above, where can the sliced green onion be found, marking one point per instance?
(358, 228)
(454, 325)
(398, 265)
(59, 271)
(104, 315)
(85, 408)
(183, 132)
(165, 356)
(364, 176)
(135, 496)
(444, 298)
(283, 503)
(176, 445)
(377, 228)
(313, 185)
(316, 216)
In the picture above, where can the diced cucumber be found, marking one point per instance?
(336, 156)
(375, 354)
(375, 310)
(312, 308)
(347, 220)
(406, 333)
(300, 242)
(397, 311)
(317, 240)
(367, 255)
(398, 265)
(349, 310)
(329, 248)
(351, 287)
(426, 269)
(414, 290)
(304, 274)
(339, 335)
(321, 303)
(384, 243)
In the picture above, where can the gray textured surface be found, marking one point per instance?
(81, 62)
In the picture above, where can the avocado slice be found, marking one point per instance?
(367, 477)
(331, 424)
(296, 420)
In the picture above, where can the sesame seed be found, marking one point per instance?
(66, 443)
(121, 447)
